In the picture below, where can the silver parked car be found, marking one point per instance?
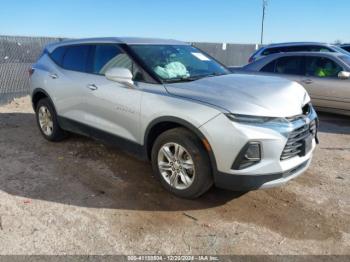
(295, 47)
(168, 102)
(326, 76)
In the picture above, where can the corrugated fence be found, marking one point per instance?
(18, 53)
(228, 54)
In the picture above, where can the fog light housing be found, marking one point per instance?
(249, 156)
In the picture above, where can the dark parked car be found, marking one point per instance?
(346, 47)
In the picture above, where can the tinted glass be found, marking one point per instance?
(294, 49)
(270, 51)
(176, 63)
(57, 55)
(76, 58)
(108, 56)
(289, 65)
(269, 68)
(321, 67)
(301, 48)
(346, 48)
(315, 48)
(340, 50)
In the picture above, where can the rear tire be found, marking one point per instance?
(181, 163)
(46, 119)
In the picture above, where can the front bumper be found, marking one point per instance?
(249, 182)
(227, 138)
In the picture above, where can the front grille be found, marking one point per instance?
(295, 143)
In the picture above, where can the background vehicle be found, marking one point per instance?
(164, 100)
(324, 75)
(295, 47)
(346, 47)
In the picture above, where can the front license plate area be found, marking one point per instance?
(307, 145)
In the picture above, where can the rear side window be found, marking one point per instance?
(291, 65)
(57, 55)
(76, 58)
(283, 49)
(319, 49)
(301, 48)
(270, 51)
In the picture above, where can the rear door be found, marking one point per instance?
(322, 82)
(66, 80)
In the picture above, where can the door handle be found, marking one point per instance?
(307, 81)
(92, 87)
(53, 76)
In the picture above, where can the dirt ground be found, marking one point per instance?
(82, 197)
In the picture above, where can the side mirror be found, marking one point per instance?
(120, 75)
(344, 75)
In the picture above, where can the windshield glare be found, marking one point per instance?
(176, 63)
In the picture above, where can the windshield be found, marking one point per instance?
(178, 63)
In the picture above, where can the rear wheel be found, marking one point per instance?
(181, 163)
(47, 121)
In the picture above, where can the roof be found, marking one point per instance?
(267, 59)
(329, 54)
(297, 43)
(116, 40)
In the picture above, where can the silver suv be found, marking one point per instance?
(170, 103)
(295, 47)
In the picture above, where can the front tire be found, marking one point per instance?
(46, 119)
(181, 163)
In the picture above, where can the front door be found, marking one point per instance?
(112, 107)
(322, 82)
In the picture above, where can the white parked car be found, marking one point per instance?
(170, 103)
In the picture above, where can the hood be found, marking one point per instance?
(246, 94)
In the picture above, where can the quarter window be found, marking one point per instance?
(321, 67)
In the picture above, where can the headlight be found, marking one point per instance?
(255, 119)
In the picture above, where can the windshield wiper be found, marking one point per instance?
(182, 79)
(215, 74)
(191, 78)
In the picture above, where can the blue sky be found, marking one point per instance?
(236, 21)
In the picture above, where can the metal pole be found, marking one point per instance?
(262, 21)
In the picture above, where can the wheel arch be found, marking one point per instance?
(162, 124)
(37, 95)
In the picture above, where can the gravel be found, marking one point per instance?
(83, 197)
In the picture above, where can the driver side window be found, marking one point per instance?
(321, 67)
(108, 56)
